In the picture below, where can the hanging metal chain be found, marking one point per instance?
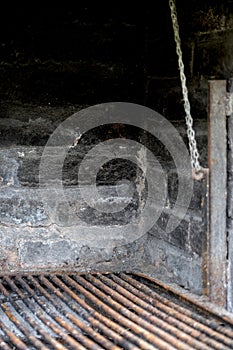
(189, 120)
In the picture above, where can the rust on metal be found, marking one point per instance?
(206, 233)
(110, 311)
(230, 193)
(217, 163)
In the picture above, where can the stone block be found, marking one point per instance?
(38, 254)
(186, 236)
(174, 264)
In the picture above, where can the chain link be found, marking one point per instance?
(189, 120)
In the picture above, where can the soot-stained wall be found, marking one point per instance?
(56, 61)
(58, 56)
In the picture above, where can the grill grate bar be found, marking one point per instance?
(206, 323)
(13, 338)
(79, 336)
(124, 321)
(18, 324)
(4, 345)
(87, 342)
(129, 319)
(93, 321)
(148, 316)
(105, 311)
(105, 324)
(40, 315)
(179, 321)
(85, 315)
(179, 329)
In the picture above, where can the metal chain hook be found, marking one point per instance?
(189, 120)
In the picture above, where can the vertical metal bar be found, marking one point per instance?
(206, 232)
(217, 160)
(230, 194)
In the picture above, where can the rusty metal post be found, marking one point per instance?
(230, 193)
(217, 151)
(206, 233)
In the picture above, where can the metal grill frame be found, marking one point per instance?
(108, 311)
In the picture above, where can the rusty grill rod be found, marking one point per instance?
(27, 317)
(96, 318)
(198, 306)
(56, 330)
(104, 311)
(20, 326)
(4, 345)
(13, 338)
(202, 323)
(113, 325)
(179, 320)
(89, 344)
(124, 301)
(146, 315)
(104, 341)
(223, 341)
(123, 316)
(171, 324)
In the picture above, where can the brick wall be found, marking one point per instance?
(55, 62)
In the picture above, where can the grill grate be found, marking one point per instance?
(105, 311)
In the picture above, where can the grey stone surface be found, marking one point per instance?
(40, 249)
(36, 254)
(126, 56)
(32, 238)
(173, 264)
